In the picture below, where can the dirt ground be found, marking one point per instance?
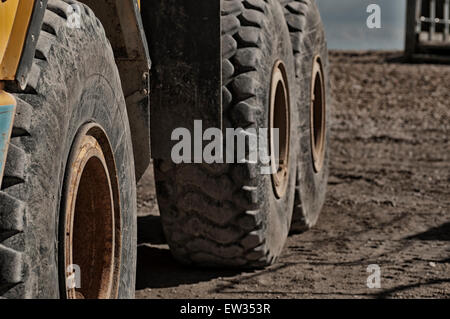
(388, 199)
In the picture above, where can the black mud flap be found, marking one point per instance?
(185, 47)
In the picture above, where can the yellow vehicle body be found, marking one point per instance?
(14, 20)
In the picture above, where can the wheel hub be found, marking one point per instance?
(318, 115)
(92, 218)
(280, 120)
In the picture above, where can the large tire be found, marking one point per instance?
(228, 214)
(310, 54)
(73, 81)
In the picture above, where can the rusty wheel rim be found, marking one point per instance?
(279, 119)
(92, 218)
(318, 115)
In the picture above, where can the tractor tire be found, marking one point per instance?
(313, 103)
(232, 215)
(73, 105)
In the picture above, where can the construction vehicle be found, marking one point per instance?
(91, 91)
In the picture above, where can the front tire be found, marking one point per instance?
(73, 84)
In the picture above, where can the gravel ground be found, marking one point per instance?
(388, 199)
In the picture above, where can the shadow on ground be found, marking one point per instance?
(388, 293)
(156, 268)
(436, 233)
(150, 230)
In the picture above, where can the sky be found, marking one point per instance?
(346, 28)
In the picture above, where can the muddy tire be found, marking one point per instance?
(73, 89)
(313, 103)
(229, 214)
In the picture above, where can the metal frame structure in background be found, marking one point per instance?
(428, 29)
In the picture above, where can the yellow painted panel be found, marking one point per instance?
(6, 99)
(15, 17)
(8, 11)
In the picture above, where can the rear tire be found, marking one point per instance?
(73, 82)
(230, 214)
(311, 65)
